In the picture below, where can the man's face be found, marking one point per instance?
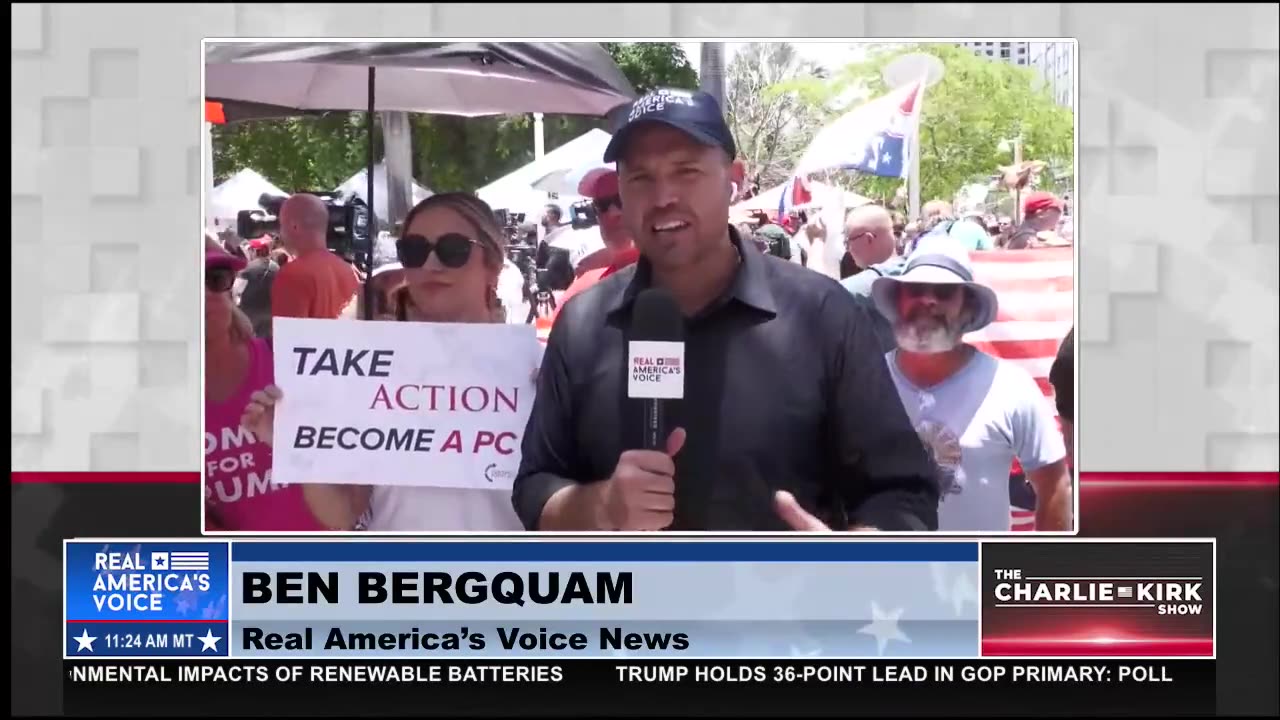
(608, 206)
(1045, 219)
(675, 195)
(930, 316)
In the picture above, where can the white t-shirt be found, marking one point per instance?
(511, 292)
(974, 423)
(426, 509)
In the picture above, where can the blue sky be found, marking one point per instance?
(832, 55)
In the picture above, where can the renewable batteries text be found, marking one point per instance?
(413, 588)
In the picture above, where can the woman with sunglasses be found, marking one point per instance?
(238, 490)
(451, 254)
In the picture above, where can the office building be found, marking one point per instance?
(1016, 53)
(1054, 62)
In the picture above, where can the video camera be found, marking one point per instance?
(348, 233)
(582, 215)
(510, 223)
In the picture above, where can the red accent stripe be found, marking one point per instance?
(1180, 647)
(1195, 480)
(104, 477)
(1180, 480)
(123, 622)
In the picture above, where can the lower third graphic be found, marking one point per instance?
(146, 599)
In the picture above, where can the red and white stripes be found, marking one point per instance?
(1036, 289)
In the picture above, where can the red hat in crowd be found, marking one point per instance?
(1039, 201)
(599, 183)
(261, 243)
(219, 258)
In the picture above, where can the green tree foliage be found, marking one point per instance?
(449, 153)
(771, 123)
(978, 104)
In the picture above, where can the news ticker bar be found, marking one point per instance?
(738, 687)
(665, 599)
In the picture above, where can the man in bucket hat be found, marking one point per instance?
(975, 412)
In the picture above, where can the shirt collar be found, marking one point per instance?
(751, 283)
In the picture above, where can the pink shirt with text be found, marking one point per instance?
(237, 467)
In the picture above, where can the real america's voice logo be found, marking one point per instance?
(137, 582)
(1178, 595)
(146, 599)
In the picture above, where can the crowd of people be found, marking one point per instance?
(819, 395)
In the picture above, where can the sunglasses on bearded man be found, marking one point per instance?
(943, 292)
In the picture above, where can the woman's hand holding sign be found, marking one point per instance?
(259, 417)
(337, 506)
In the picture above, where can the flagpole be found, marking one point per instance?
(913, 177)
(913, 174)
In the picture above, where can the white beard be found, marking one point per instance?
(926, 338)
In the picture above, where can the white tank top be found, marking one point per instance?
(427, 509)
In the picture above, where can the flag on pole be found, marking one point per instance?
(874, 138)
(796, 194)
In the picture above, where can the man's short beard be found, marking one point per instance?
(927, 335)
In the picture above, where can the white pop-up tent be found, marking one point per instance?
(515, 191)
(358, 185)
(239, 192)
(823, 193)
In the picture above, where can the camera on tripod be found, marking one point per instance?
(348, 232)
(510, 223)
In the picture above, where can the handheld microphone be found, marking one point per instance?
(655, 360)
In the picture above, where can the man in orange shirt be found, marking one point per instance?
(316, 283)
(602, 187)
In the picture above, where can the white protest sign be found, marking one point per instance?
(399, 403)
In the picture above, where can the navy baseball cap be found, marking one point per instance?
(692, 112)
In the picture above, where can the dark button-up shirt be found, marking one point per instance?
(785, 388)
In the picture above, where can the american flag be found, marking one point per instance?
(795, 194)
(1036, 288)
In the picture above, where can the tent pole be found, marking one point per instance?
(372, 224)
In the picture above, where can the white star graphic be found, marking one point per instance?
(209, 641)
(84, 641)
(888, 157)
(884, 627)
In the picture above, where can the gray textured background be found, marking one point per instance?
(1178, 209)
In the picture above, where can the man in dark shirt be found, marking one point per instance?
(790, 417)
(1062, 375)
